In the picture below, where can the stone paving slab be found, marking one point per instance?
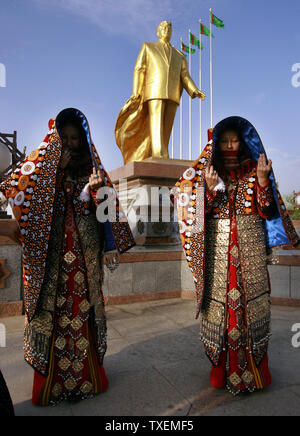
(156, 366)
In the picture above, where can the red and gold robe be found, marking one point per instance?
(227, 238)
(236, 252)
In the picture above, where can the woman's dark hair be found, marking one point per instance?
(82, 164)
(242, 153)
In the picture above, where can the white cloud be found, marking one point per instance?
(134, 18)
(276, 153)
(124, 17)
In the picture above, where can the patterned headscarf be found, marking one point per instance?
(31, 193)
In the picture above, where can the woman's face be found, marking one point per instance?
(229, 141)
(70, 139)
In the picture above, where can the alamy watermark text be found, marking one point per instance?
(2, 76)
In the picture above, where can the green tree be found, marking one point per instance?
(296, 215)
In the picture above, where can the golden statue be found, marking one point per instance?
(144, 125)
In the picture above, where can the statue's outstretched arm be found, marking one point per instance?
(139, 72)
(188, 83)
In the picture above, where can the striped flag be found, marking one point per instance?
(205, 31)
(195, 41)
(186, 49)
(216, 21)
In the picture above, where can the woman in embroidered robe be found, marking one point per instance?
(230, 213)
(54, 200)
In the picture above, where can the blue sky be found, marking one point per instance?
(81, 53)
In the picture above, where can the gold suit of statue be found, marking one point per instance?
(144, 125)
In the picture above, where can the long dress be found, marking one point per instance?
(236, 368)
(75, 368)
(227, 238)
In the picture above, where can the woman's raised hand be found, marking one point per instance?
(263, 170)
(95, 180)
(65, 159)
(211, 177)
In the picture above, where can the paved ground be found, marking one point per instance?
(156, 366)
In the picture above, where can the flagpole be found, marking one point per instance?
(190, 101)
(211, 75)
(200, 87)
(173, 142)
(180, 133)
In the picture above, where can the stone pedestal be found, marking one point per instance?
(144, 193)
(148, 273)
(156, 268)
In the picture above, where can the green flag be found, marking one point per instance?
(216, 21)
(186, 49)
(205, 31)
(195, 41)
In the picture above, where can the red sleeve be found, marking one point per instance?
(93, 194)
(265, 200)
(94, 200)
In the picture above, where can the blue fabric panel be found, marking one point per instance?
(108, 237)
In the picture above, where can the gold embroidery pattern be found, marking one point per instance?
(213, 306)
(64, 321)
(82, 344)
(259, 318)
(60, 343)
(217, 242)
(70, 384)
(212, 329)
(247, 377)
(234, 334)
(234, 379)
(86, 388)
(77, 366)
(234, 251)
(76, 323)
(56, 390)
(251, 234)
(92, 246)
(234, 294)
(79, 278)
(69, 257)
(64, 363)
(84, 306)
(252, 241)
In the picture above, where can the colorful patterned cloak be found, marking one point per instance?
(31, 192)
